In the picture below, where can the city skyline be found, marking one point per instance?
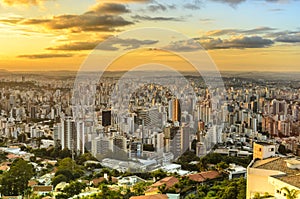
(238, 35)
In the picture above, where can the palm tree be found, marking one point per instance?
(291, 194)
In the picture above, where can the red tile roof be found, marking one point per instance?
(168, 181)
(42, 188)
(203, 176)
(97, 181)
(157, 196)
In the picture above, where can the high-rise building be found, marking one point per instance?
(185, 132)
(106, 118)
(119, 143)
(279, 107)
(101, 145)
(136, 150)
(33, 111)
(57, 133)
(174, 110)
(73, 135)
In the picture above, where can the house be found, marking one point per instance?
(41, 190)
(11, 197)
(130, 181)
(32, 183)
(60, 186)
(99, 180)
(167, 181)
(236, 171)
(267, 173)
(5, 166)
(156, 196)
(204, 176)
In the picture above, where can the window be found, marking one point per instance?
(259, 149)
(271, 149)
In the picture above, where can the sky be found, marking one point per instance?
(237, 35)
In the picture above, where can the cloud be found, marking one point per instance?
(86, 21)
(234, 3)
(258, 30)
(172, 7)
(45, 56)
(206, 20)
(76, 46)
(184, 46)
(133, 1)
(22, 2)
(222, 32)
(38, 2)
(148, 18)
(157, 7)
(276, 10)
(281, 34)
(230, 2)
(76, 23)
(115, 43)
(289, 38)
(34, 21)
(191, 6)
(240, 42)
(101, 17)
(109, 8)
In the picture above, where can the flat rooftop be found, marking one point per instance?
(264, 143)
(292, 176)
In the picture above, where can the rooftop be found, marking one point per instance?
(203, 176)
(156, 196)
(264, 143)
(292, 176)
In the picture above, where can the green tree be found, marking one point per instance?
(221, 166)
(203, 164)
(58, 179)
(85, 157)
(282, 149)
(241, 188)
(15, 181)
(65, 172)
(291, 194)
(257, 196)
(159, 174)
(74, 188)
(140, 188)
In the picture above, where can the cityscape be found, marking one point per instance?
(143, 99)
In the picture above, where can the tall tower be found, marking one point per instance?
(106, 118)
(73, 135)
(174, 110)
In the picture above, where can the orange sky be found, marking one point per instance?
(59, 35)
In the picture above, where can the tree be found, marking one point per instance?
(74, 188)
(66, 173)
(221, 166)
(203, 164)
(58, 179)
(159, 174)
(85, 157)
(140, 188)
(257, 196)
(15, 181)
(194, 144)
(291, 194)
(65, 153)
(282, 149)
